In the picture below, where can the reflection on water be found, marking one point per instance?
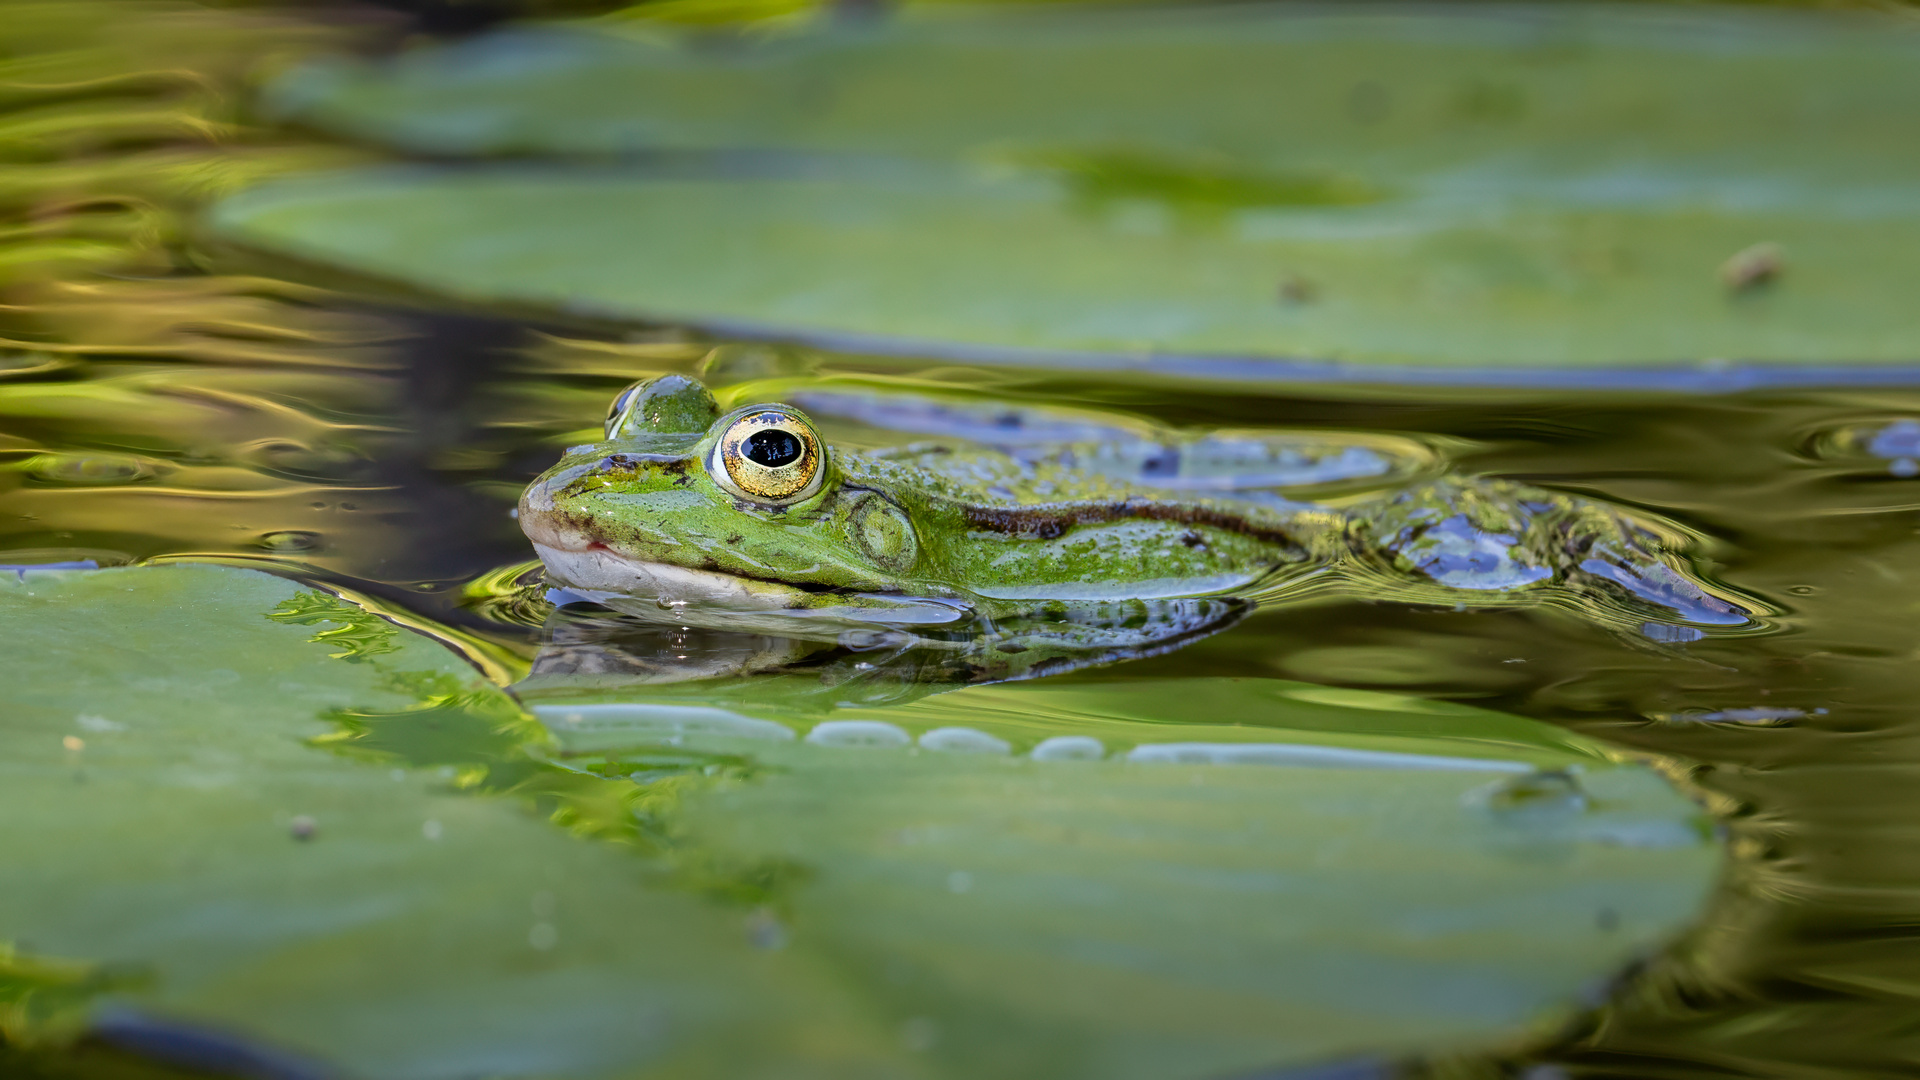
(149, 409)
(588, 648)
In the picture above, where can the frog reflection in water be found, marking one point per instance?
(750, 521)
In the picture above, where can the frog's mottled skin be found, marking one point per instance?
(929, 534)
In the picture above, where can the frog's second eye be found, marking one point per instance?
(768, 455)
(622, 405)
(666, 404)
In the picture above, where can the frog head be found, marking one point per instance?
(682, 507)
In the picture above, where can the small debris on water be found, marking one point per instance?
(1298, 290)
(302, 827)
(74, 743)
(89, 722)
(1752, 267)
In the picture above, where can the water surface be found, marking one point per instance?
(162, 400)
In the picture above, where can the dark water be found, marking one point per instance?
(156, 402)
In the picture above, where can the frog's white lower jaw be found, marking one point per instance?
(663, 592)
(601, 570)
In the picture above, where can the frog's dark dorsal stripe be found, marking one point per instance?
(1050, 521)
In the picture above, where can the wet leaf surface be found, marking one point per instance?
(1521, 189)
(325, 833)
(158, 720)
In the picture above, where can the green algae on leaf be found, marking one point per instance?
(710, 904)
(359, 633)
(1199, 188)
(157, 721)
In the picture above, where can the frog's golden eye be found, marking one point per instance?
(768, 454)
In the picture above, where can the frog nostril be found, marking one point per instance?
(772, 448)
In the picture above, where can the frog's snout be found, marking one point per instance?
(537, 499)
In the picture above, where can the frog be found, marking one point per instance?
(749, 519)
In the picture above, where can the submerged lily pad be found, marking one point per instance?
(306, 826)
(1563, 186)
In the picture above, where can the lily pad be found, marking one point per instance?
(1517, 190)
(1137, 919)
(159, 781)
(1273, 87)
(305, 826)
(1014, 268)
(1070, 859)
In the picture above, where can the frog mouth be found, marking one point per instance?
(663, 592)
(595, 568)
(574, 558)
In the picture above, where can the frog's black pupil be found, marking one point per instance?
(772, 448)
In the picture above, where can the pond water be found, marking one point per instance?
(167, 396)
